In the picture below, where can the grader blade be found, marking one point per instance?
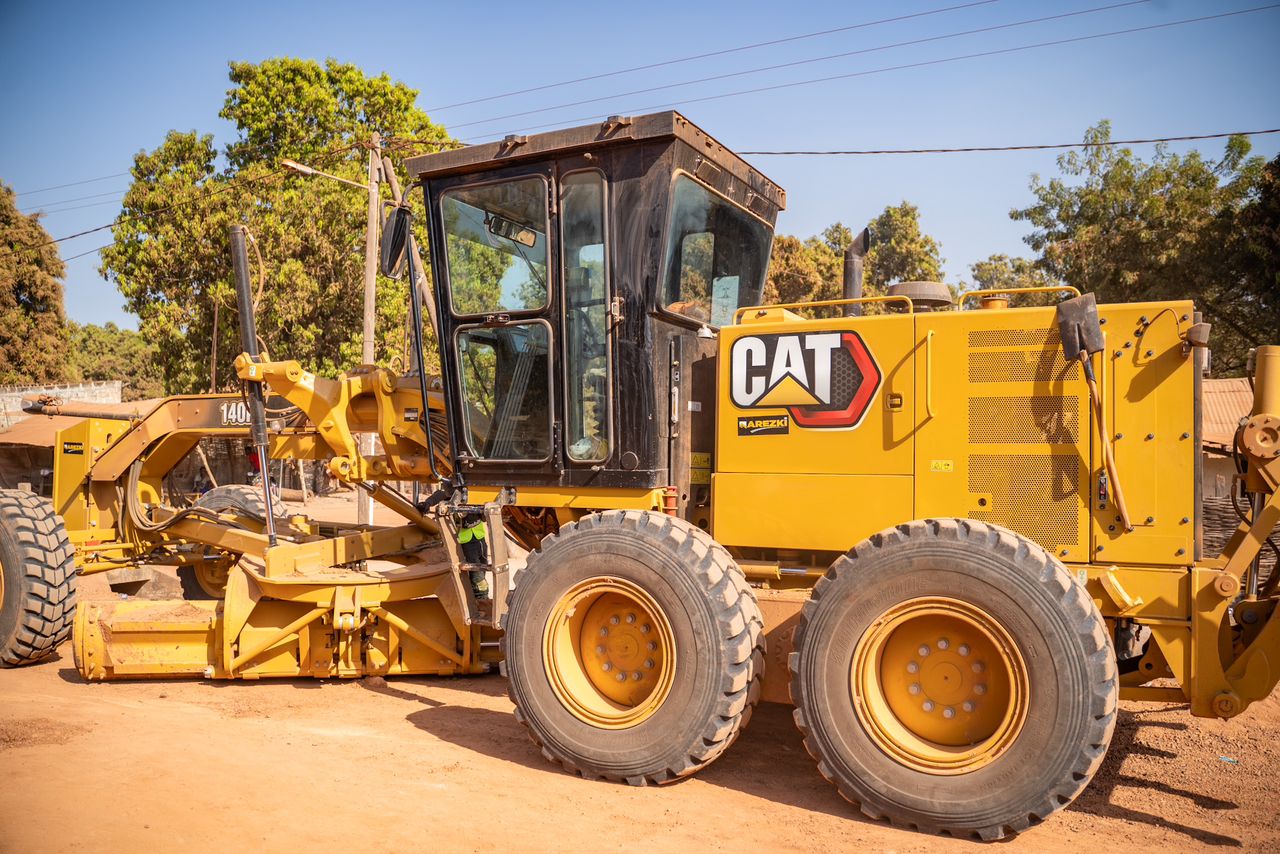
(339, 623)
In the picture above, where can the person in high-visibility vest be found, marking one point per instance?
(472, 532)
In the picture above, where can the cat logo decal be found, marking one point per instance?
(824, 380)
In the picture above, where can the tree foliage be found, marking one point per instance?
(813, 269)
(171, 258)
(111, 353)
(900, 250)
(33, 337)
(1179, 226)
(1000, 272)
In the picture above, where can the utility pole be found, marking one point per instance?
(364, 501)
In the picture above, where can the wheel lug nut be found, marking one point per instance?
(967, 705)
(604, 632)
(600, 650)
(913, 667)
(927, 705)
(646, 628)
(978, 667)
(980, 688)
(631, 618)
(914, 688)
(607, 666)
(648, 663)
(653, 646)
(923, 650)
(637, 676)
(613, 621)
(943, 643)
(948, 713)
(622, 677)
(963, 649)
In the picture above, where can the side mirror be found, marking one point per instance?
(395, 241)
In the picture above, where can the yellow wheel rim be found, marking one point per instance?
(212, 579)
(939, 685)
(609, 653)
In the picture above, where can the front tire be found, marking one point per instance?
(950, 676)
(206, 582)
(633, 648)
(38, 585)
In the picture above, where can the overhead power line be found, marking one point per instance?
(977, 148)
(72, 184)
(89, 252)
(889, 68)
(713, 53)
(46, 205)
(230, 185)
(48, 211)
(809, 61)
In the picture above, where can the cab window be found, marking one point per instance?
(496, 246)
(717, 255)
(586, 331)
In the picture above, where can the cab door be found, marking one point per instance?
(498, 319)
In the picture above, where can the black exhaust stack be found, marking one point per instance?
(853, 256)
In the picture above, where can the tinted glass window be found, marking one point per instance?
(506, 391)
(496, 246)
(717, 255)
(586, 296)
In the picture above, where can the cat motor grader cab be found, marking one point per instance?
(953, 539)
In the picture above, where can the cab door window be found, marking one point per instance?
(586, 319)
(505, 375)
(495, 238)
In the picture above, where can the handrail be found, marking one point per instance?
(1043, 289)
(737, 315)
(928, 374)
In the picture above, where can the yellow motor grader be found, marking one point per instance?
(954, 539)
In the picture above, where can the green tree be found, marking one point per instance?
(33, 336)
(900, 250)
(1132, 230)
(111, 353)
(813, 269)
(171, 256)
(1000, 272)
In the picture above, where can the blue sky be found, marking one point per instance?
(87, 85)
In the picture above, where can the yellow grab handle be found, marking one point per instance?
(928, 373)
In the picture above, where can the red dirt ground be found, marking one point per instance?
(375, 765)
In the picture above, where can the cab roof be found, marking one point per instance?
(615, 130)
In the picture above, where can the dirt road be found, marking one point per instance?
(441, 764)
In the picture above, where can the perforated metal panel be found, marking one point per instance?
(1018, 419)
(1035, 495)
(1009, 366)
(1031, 337)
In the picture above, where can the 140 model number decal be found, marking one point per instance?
(233, 412)
(823, 379)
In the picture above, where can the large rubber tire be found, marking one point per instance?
(1071, 680)
(39, 579)
(714, 621)
(236, 498)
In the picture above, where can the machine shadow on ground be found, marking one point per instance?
(1099, 798)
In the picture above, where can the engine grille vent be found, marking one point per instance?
(1037, 496)
(1040, 338)
(1037, 419)
(1008, 366)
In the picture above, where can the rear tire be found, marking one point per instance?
(629, 594)
(951, 676)
(39, 579)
